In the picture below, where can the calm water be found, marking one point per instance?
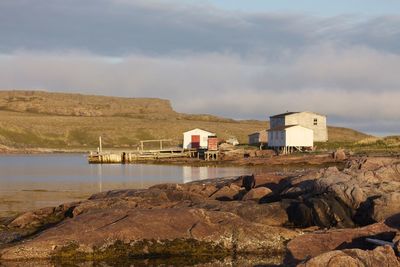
(28, 182)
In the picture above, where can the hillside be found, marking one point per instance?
(32, 119)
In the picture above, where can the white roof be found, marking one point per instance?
(200, 130)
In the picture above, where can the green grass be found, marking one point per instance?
(368, 145)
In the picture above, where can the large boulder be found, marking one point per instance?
(365, 192)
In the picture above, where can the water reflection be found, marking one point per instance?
(32, 181)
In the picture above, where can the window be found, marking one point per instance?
(315, 121)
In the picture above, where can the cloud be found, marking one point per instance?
(352, 87)
(121, 27)
(207, 60)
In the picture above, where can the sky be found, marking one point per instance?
(237, 59)
(316, 7)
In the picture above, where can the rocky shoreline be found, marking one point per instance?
(306, 217)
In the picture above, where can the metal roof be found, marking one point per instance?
(295, 112)
(258, 132)
(284, 114)
(281, 128)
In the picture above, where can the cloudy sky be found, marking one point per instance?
(235, 58)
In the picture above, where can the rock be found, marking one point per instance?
(42, 217)
(251, 153)
(265, 153)
(257, 193)
(386, 206)
(114, 233)
(339, 155)
(248, 182)
(314, 244)
(226, 147)
(227, 193)
(381, 256)
(354, 196)
(328, 212)
(273, 214)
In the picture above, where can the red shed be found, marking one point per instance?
(212, 143)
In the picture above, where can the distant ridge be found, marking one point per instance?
(81, 105)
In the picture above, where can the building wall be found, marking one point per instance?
(276, 138)
(257, 138)
(264, 137)
(299, 136)
(306, 119)
(187, 138)
(254, 138)
(276, 122)
(293, 136)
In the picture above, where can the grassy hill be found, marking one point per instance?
(33, 119)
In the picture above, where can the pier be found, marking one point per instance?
(141, 154)
(134, 156)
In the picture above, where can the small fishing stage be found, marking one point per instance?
(100, 157)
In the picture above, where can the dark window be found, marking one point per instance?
(315, 121)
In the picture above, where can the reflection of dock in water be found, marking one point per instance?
(191, 174)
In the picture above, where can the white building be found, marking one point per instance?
(288, 138)
(310, 120)
(196, 138)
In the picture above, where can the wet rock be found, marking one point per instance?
(256, 194)
(381, 256)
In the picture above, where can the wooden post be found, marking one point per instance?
(161, 145)
(141, 145)
(100, 145)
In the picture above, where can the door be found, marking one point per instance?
(195, 141)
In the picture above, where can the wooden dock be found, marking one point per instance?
(135, 156)
(118, 157)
